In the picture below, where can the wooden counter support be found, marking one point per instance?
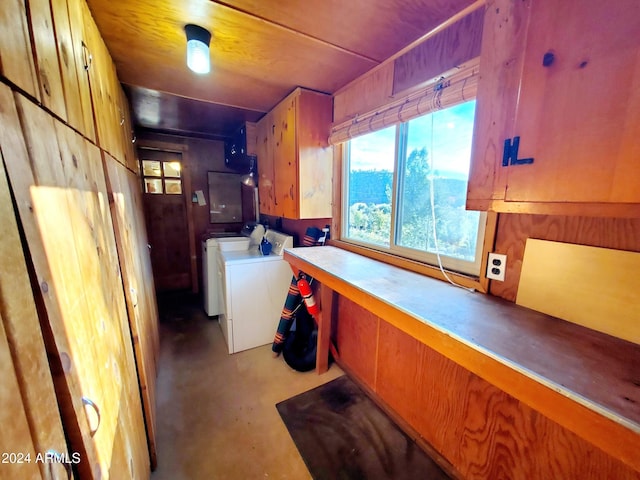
(585, 381)
(324, 328)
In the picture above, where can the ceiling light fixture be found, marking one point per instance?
(198, 58)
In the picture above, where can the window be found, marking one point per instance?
(405, 190)
(162, 176)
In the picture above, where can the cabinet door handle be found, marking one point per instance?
(510, 153)
(59, 460)
(87, 58)
(89, 402)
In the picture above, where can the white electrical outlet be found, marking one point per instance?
(496, 266)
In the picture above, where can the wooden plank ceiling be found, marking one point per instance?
(260, 51)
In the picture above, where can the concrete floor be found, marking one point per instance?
(216, 416)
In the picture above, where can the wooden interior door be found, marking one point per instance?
(165, 207)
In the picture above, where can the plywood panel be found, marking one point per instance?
(598, 288)
(482, 431)
(579, 378)
(370, 91)
(249, 68)
(16, 59)
(356, 340)
(440, 53)
(513, 231)
(131, 239)
(26, 346)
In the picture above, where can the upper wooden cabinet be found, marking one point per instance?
(295, 158)
(564, 79)
(16, 61)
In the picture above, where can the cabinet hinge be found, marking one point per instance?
(510, 153)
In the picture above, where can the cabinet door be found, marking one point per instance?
(565, 79)
(62, 200)
(315, 155)
(82, 64)
(16, 60)
(285, 159)
(579, 109)
(135, 262)
(503, 39)
(44, 40)
(264, 133)
(28, 407)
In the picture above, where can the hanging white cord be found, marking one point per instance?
(433, 217)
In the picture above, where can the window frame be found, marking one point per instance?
(412, 259)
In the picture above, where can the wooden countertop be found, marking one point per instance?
(584, 380)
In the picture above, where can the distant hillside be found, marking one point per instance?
(374, 187)
(370, 186)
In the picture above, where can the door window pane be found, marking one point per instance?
(152, 185)
(151, 168)
(173, 187)
(171, 169)
(369, 186)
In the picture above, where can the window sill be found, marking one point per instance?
(481, 285)
(584, 380)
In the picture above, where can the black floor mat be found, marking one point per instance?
(342, 434)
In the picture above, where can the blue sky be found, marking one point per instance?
(449, 148)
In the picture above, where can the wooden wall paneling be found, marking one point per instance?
(514, 229)
(368, 92)
(28, 363)
(16, 58)
(46, 56)
(81, 53)
(484, 432)
(505, 26)
(357, 340)
(126, 208)
(68, 59)
(440, 53)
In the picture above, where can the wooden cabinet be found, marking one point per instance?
(16, 60)
(29, 415)
(563, 80)
(294, 157)
(69, 16)
(60, 194)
